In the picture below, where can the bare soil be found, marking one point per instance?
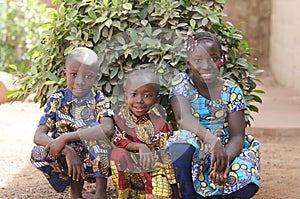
(280, 160)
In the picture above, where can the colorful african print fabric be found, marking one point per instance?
(128, 176)
(65, 113)
(245, 168)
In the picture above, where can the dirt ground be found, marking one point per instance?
(280, 160)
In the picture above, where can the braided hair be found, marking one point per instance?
(194, 40)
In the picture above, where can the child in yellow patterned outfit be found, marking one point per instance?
(139, 165)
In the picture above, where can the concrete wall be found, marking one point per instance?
(252, 17)
(285, 43)
(272, 28)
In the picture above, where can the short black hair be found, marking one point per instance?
(194, 39)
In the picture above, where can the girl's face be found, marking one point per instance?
(80, 78)
(205, 61)
(141, 98)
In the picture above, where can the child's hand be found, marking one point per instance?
(75, 166)
(56, 146)
(219, 159)
(219, 178)
(146, 157)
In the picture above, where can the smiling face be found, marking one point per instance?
(205, 61)
(141, 93)
(81, 71)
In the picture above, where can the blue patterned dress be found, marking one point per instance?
(65, 113)
(244, 169)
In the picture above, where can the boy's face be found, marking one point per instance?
(80, 78)
(141, 98)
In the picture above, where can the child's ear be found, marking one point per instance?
(187, 62)
(65, 75)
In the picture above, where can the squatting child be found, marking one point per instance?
(79, 120)
(211, 154)
(139, 164)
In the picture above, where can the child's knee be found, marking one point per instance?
(38, 153)
(181, 153)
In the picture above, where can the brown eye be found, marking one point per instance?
(132, 94)
(215, 59)
(73, 74)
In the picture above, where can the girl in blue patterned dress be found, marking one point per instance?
(79, 120)
(211, 154)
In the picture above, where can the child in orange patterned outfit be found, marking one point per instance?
(139, 165)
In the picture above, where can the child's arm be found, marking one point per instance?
(146, 155)
(75, 167)
(41, 137)
(236, 121)
(234, 146)
(185, 120)
(101, 131)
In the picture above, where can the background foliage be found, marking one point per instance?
(19, 31)
(130, 34)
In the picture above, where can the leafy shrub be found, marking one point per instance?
(19, 32)
(130, 34)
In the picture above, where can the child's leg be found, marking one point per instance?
(100, 188)
(246, 192)
(76, 189)
(181, 157)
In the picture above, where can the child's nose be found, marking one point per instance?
(206, 64)
(79, 80)
(140, 99)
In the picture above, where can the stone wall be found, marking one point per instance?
(252, 17)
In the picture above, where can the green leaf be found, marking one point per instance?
(70, 38)
(242, 62)
(193, 24)
(148, 41)
(100, 19)
(52, 77)
(49, 83)
(11, 93)
(73, 13)
(133, 35)
(12, 66)
(204, 21)
(253, 108)
(113, 73)
(213, 18)
(258, 91)
(148, 30)
(108, 23)
(127, 6)
(108, 87)
(221, 1)
(259, 71)
(92, 14)
(89, 44)
(115, 2)
(144, 22)
(120, 39)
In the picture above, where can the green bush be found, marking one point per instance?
(20, 26)
(127, 34)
